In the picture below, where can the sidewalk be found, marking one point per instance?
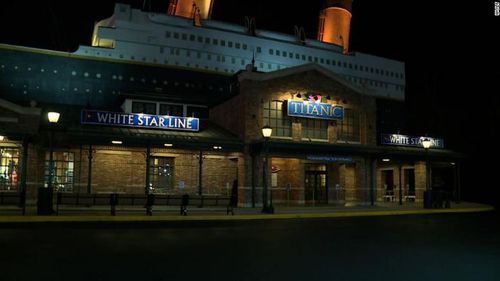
(12, 215)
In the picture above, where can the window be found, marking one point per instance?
(349, 126)
(197, 111)
(215, 41)
(184, 36)
(229, 44)
(200, 39)
(9, 168)
(244, 46)
(144, 107)
(259, 49)
(276, 117)
(62, 171)
(271, 51)
(284, 53)
(222, 42)
(277, 52)
(191, 37)
(176, 35)
(314, 128)
(161, 174)
(171, 109)
(237, 45)
(167, 34)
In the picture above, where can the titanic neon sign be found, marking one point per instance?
(315, 110)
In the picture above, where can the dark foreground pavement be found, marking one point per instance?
(463, 246)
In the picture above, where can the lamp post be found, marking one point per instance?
(45, 194)
(428, 198)
(426, 143)
(53, 118)
(266, 133)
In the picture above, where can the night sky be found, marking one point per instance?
(448, 47)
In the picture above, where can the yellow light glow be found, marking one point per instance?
(168, 145)
(53, 117)
(116, 142)
(426, 143)
(2, 138)
(267, 131)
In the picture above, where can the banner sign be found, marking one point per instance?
(402, 140)
(315, 110)
(329, 158)
(140, 120)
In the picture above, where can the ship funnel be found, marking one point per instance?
(335, 23)
(191, 8)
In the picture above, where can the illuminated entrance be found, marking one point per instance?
(315, 186)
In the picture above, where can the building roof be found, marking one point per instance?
(264, 76)
(70, 130)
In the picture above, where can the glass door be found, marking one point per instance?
(315, 187)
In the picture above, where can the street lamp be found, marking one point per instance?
(53, 118)
(426, 143)
(428, 197)
(267, 131)
(45, 194)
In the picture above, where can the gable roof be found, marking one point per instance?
(264, 76)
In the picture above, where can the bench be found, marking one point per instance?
(147, 201)
(190, 200)
(86, 200)
(14, 199)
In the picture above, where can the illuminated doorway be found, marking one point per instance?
(315, 186)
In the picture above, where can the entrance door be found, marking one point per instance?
(409, 184)
(315, 187)
(388, 182)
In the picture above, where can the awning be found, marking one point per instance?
(302, 149)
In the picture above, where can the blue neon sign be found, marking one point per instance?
(140, 120)
(315, 110)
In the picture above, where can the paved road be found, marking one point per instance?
(413, 247)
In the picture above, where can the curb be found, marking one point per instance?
(168, 218)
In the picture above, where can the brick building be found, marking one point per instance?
(171, 110)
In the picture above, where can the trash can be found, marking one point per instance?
(428, 199)
(45, 201)
(184, 204)
(150, 201)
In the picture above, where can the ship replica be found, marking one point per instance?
(136, 52)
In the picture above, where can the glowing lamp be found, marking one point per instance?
(267, 131)
(53, 117)
(426, 143)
